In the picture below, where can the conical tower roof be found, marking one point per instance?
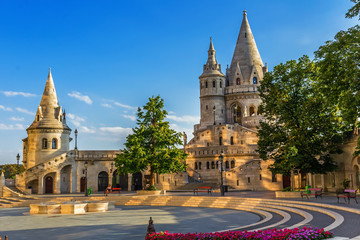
(212, 67)
(49, 114)
(246, 54)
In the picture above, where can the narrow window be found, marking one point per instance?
(44, 143)
(206, 107)
(248, 179)
(220, 141)
(273, 178)
(238, 81)
(207, 165)
(205, 84)
(245, 35)
(196, 165)
(212, 165)
(232, 164)
(237, 182)
(199, 165)
(252, 111)
(232, 141)
(227, 165)
(254, 80)
(38, 117)
(217, 164)
(260, 177)
(54, 143)
(214, 84)
(220, 84)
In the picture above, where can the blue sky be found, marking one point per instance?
(108, 57)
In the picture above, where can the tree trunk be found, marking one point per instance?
(152, 177)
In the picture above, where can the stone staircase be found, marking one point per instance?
(193, 185)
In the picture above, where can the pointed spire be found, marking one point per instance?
(211, 53)
(49, 96)
(246, 53)
(211, 66)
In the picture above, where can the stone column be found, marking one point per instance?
(57, 180)
(129, 181)
(73, 179)
(2, 183)
(41, 185)
(323, 181)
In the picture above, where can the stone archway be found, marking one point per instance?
(137, 181)
(236, 115)
(49, 184)
(34, 186)
(120, 180)
(103, 181)
(65, 179)
(357, 176)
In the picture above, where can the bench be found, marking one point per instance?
(203, 189)
(115, 190)
(316, 192)
(347, 194)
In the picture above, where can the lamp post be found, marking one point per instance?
(86, 190)
(221, 160)
(235, 118)
(76, 133)
(214, 114)
(111, 173)
(17, 158)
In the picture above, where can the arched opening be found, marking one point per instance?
(238, 82)
(207, 165)
(220, 84)
(33, 185)
(199, 165)
(232, 164)
(357, 176)
(82, 184)
(236, 113)
(231, 140)
(54, 143)
(220, 141)
(137, 181)
(214, 84)
(206, 84)
(49, 184)
(120, 181)
(252, 111)
(103, 181)
(196, 166)
(44, 143)
(212, 165)
(254, 80)
(227, 166)
(65, 179)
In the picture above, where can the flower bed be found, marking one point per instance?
(276, 234)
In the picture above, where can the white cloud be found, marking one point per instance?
(171, 112)
(5, 108)
(124, 105)
(22, 110)
(187, 119)
(19, 119)
(83, 129)
(13, 94)
(106, 105)
(80, 97)
(131, 117)
(11, 126)
(116, 130)
(74, 119)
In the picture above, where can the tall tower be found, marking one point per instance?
(48, 135)
(242, 79)
(212, 86)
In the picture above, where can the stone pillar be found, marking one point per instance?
(57, 180)
(323, 181)
(73, 179)
(129, 181)
(111, 178)
(2, 183)
(41, 185)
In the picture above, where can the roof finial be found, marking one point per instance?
(244, 13)
(211, 45)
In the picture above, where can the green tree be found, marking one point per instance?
(10, 170)
(300, 130)
(355, 10)
(153, 145)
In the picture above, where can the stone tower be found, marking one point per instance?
(212, 86)
(48, 135)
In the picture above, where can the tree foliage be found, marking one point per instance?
(153, 145)
(355, 10)
(10, 170)
(300, 130)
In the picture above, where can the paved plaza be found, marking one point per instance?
(183, 212)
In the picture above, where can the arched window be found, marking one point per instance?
(238, 81)
(214, 84)
(227, 164)
(207, 165)
(205, 84)
(54, 143)
(254, 80)
(217, 164)
(212, 165)
(196, 165)
(44, 143)
(232, 141)
(199, 165)
(220, 84)
(252, 111)
(206, 107)
(220, 141)
(38, 117)
(232, 164)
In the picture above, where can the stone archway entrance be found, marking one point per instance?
(49, 184)
(120, 181)
(137, 181)
(65, 179)
(82, 184)
(103, 181)
(357, 176)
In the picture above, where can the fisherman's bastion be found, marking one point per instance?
(229, 104)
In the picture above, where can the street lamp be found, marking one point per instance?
(221, 160)
(214, 114)
(18, 158)
(76, 133)
(86, 191)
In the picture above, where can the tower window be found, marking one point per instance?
(207, 165)
(200, 165)
(214, 84)
(232, 164)
(220, 141)
(206, 107)
(238, 81)
(206, 85)
(44, 143)
(248, 179)
(245, 35)
(38, 117)
(196, 165)
(220, 84)
(252, 111)
(232, 141)
(54, 143)
(254, 80)
(212, 165)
